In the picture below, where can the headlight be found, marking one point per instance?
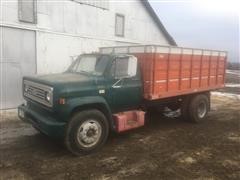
(48, 96)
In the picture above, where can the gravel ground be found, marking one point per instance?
(166, 148)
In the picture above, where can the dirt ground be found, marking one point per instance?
(166, 148)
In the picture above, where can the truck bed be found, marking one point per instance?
(172, 71)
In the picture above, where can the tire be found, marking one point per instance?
(86, 132)
(184, 109)
(198, 108)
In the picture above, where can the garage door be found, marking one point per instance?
(18, 59)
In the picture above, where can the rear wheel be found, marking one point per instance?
(87, 131)
(198, 108)
(195, 108)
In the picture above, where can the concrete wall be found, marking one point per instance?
(67, 28)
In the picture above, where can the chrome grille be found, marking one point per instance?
(38, 92)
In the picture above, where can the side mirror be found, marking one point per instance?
(132, 66)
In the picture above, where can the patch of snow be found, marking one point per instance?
(229, 95)
(232, 85)
(188, 160)
(235, 72)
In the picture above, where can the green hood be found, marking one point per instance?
(68, 84)
(63, 78)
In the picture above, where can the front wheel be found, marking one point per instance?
(86, 132)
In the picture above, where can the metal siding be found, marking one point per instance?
(17, 60)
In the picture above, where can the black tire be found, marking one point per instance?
(184, 109)
(75, 130)
(198, 108)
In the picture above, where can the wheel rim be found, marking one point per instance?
(202, 110)
(89, 133)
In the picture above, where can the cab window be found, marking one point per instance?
(124, 67)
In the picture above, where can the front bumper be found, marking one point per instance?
(46, 124)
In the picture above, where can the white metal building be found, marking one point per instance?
(43, 36)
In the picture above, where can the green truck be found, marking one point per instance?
(99, 93)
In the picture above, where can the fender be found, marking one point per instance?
(73, 103)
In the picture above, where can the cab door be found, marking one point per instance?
(126, 83)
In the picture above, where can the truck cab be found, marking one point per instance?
(95, 86)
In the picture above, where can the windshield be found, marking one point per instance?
(90, 64)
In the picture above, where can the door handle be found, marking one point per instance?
(116, 87)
